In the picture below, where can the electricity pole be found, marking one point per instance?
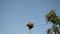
(30, 25)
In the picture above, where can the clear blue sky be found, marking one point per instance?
(14, 15)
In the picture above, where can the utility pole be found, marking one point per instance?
(30, 25)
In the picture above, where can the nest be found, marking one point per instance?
(30, 25)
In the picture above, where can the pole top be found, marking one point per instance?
(30, 25)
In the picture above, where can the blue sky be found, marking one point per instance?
(14, 15)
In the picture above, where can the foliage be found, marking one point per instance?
(55, 20)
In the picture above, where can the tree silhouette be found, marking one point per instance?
(55, 20)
